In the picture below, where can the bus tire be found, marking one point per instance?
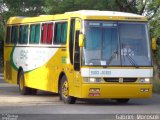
(64, 91)
(21, 82)
(32, 91)
(122, 100)
(22, 88)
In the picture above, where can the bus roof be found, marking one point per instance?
(103, 13)
(83, 14)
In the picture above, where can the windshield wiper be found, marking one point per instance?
(132, 61)
(111, 58)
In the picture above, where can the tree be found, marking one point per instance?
(61, 6)
(2, 21)
(10, 8)
(151, 9)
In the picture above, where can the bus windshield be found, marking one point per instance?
(116, 44)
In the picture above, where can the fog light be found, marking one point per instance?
(94, 92)
(97, 90)
(91, 90)
(144, 90)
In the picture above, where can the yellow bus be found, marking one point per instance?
(81, 54)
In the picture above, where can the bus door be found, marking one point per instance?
(74, 50)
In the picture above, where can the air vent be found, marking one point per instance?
(122, 80)
(129, 79)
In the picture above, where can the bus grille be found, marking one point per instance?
(111, 79)
(129, 79)
(120, 79)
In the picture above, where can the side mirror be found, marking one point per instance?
(81, 40)
(154, 43)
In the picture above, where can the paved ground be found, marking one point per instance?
(11, 102)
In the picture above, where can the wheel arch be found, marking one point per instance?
(60, 78)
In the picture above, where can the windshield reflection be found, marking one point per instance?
(116, 44)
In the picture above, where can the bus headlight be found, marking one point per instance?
(92, 80)
(144, 80)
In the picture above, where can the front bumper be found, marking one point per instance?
(116, 90)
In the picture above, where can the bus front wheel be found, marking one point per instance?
(64, 92)
(22, 88)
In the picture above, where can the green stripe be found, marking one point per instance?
(11, 60)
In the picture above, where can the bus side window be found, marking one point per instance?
(8, 35)
(14, 34)
(23, 34)
(60, 33)
(47, 33)
(34, 34)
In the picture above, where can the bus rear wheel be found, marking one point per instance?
(64, 92)
(122, 100)
(22, 88)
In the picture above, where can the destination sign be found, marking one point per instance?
(100, 72)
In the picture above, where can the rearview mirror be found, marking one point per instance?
(81, 40)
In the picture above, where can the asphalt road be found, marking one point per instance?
(47, 105)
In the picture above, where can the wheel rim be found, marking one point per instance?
(21, 83)
(65, 91)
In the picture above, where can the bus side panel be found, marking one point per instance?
(46, 76)
(74, 81)
(10, 73)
